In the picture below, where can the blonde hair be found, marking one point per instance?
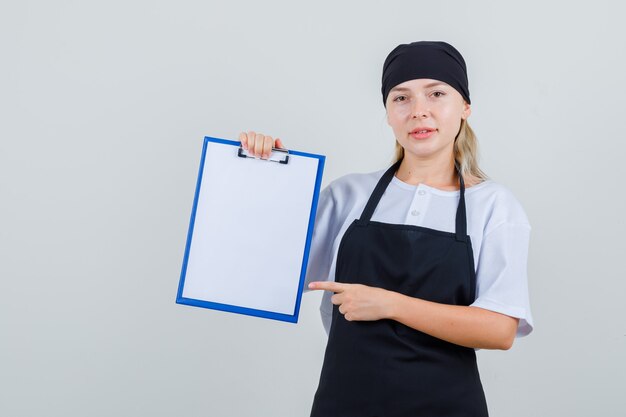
(465, 152)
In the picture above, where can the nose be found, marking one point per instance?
(420, 109)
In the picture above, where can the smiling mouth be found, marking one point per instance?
(423, 130)
(422, 133)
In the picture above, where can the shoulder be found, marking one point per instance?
(348, 193)
(497, 203)
(355, 184)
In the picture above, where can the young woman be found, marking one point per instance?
(421, 263)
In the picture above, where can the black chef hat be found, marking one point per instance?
(425, 59)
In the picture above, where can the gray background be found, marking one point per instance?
(104, 106)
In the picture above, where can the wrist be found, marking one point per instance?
(394, 301)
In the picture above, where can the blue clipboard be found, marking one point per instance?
(250, 231)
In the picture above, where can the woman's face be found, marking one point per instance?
(425, 116)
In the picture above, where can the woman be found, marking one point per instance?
(420, 281)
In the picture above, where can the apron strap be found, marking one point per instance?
(379, 190)
(461, 220)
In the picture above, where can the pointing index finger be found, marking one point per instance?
(327, 285)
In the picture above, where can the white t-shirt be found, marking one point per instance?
(496, 223)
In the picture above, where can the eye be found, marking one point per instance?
(400, 98)
(439, 94)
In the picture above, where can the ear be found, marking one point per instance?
(467, 110)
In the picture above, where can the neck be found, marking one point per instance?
(434, 173)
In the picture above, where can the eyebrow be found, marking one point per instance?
(426, 86)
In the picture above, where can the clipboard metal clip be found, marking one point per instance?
(275, 152)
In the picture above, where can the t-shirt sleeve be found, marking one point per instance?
(501, 274)
(324, 232)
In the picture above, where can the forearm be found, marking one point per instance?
(467, 326)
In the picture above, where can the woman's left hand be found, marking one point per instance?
(357, 301)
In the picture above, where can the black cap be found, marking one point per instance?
(425, 59)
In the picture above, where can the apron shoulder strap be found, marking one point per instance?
(378, 192)
(461, 220)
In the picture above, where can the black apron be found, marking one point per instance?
(384, 368)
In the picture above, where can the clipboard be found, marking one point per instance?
(250, 231)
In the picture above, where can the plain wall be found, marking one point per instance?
(104, 106)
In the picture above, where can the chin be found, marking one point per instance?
(425, 148)
(419, 148)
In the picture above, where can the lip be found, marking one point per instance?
(426, 132)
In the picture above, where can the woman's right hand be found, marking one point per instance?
(259, 145)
